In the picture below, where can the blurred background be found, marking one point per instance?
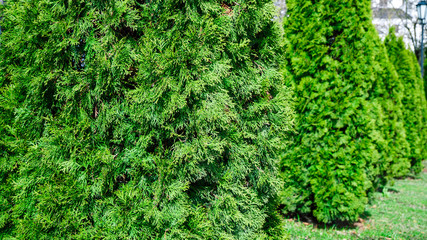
(400, 14)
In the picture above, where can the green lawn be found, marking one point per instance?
(400, 212)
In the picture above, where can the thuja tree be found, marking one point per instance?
(342, 150)
(388, 91)
(414, 103)
(141, 119)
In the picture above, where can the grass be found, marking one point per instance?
(400, 212)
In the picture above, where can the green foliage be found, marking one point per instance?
(413, 100)
(141, 119)
(350, 138)
(388, 91)
(396, 213)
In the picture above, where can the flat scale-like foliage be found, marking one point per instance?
(141, 119)
(388, 91)
(413, 100)
(348, 124)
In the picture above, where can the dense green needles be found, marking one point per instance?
(198, 119)
(350, 123)
(414, 103)
(141, 119)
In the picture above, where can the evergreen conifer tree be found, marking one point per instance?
(388, 92)
(414, 103)
(138, 119)
(347, 124)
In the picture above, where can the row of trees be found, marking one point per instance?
(198, 119)
(360, 122)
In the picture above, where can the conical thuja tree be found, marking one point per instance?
(413, 100)
(388, 91)
(341, 151)
(141, 119)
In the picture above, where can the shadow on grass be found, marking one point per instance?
(308, 219)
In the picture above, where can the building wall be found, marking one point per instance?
(402, 15)
(281, 5)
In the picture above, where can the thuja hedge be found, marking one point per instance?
(350, 138)
(141, 119)
(167, 119)
(388, 90)
(413, 99)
